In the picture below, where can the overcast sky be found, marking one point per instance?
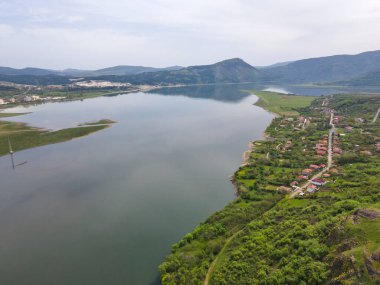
(92, 34)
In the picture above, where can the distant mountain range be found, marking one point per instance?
(228, 71)
(371, 79)
(354, 70)
(115, 70)
(325, 69)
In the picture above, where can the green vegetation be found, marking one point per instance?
(331, 236)
(100, 122)
(282, 104)
(23, 136)
(5, 115)
(80, 94)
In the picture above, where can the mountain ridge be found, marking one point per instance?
(330, 69)
(325, 69)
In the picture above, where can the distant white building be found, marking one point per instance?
(2, 102)
(27, 99)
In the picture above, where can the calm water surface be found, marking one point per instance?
(105, 209)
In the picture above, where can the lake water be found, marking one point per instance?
(106, 208)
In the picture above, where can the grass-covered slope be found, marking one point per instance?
(331, 236)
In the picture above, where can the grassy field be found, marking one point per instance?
(23, 136)
(282, 104)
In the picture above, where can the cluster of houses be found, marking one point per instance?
(19, 99)
(336, 150)
(309, 171)
(27, 99)
(322, 146)
(315, 184)
(297, 124)
(304, 175)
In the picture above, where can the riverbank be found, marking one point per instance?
(267, 236)
(21, 136)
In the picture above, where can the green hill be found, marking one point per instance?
(227, 71)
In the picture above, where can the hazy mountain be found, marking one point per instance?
(35, 79)
(128, 70)
(274, 65)
(324, 69)
(227, 71)
(115, 70)
(371, 79)
(25, 71)
(357, 69)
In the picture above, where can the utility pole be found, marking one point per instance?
(11, 152)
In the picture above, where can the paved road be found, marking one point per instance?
(329, 160)
(377, 115)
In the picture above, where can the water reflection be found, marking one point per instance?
(237, 92)
(106, 208)
(220, 92)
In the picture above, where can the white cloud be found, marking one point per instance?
(5, 31)
(92, 33)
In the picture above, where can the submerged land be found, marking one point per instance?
(308, 209)
(16, 136)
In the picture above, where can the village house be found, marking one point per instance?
(294, 184)
(323, 148)
(302, 177)
(337, 119)
(26, 99)
(306, 171)
(318, 182)
(349, 129)
(2, 101)
(314, 166)
(320, 152)
(311, 188)
(359, 120)
(326, 175)
(301, 119)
